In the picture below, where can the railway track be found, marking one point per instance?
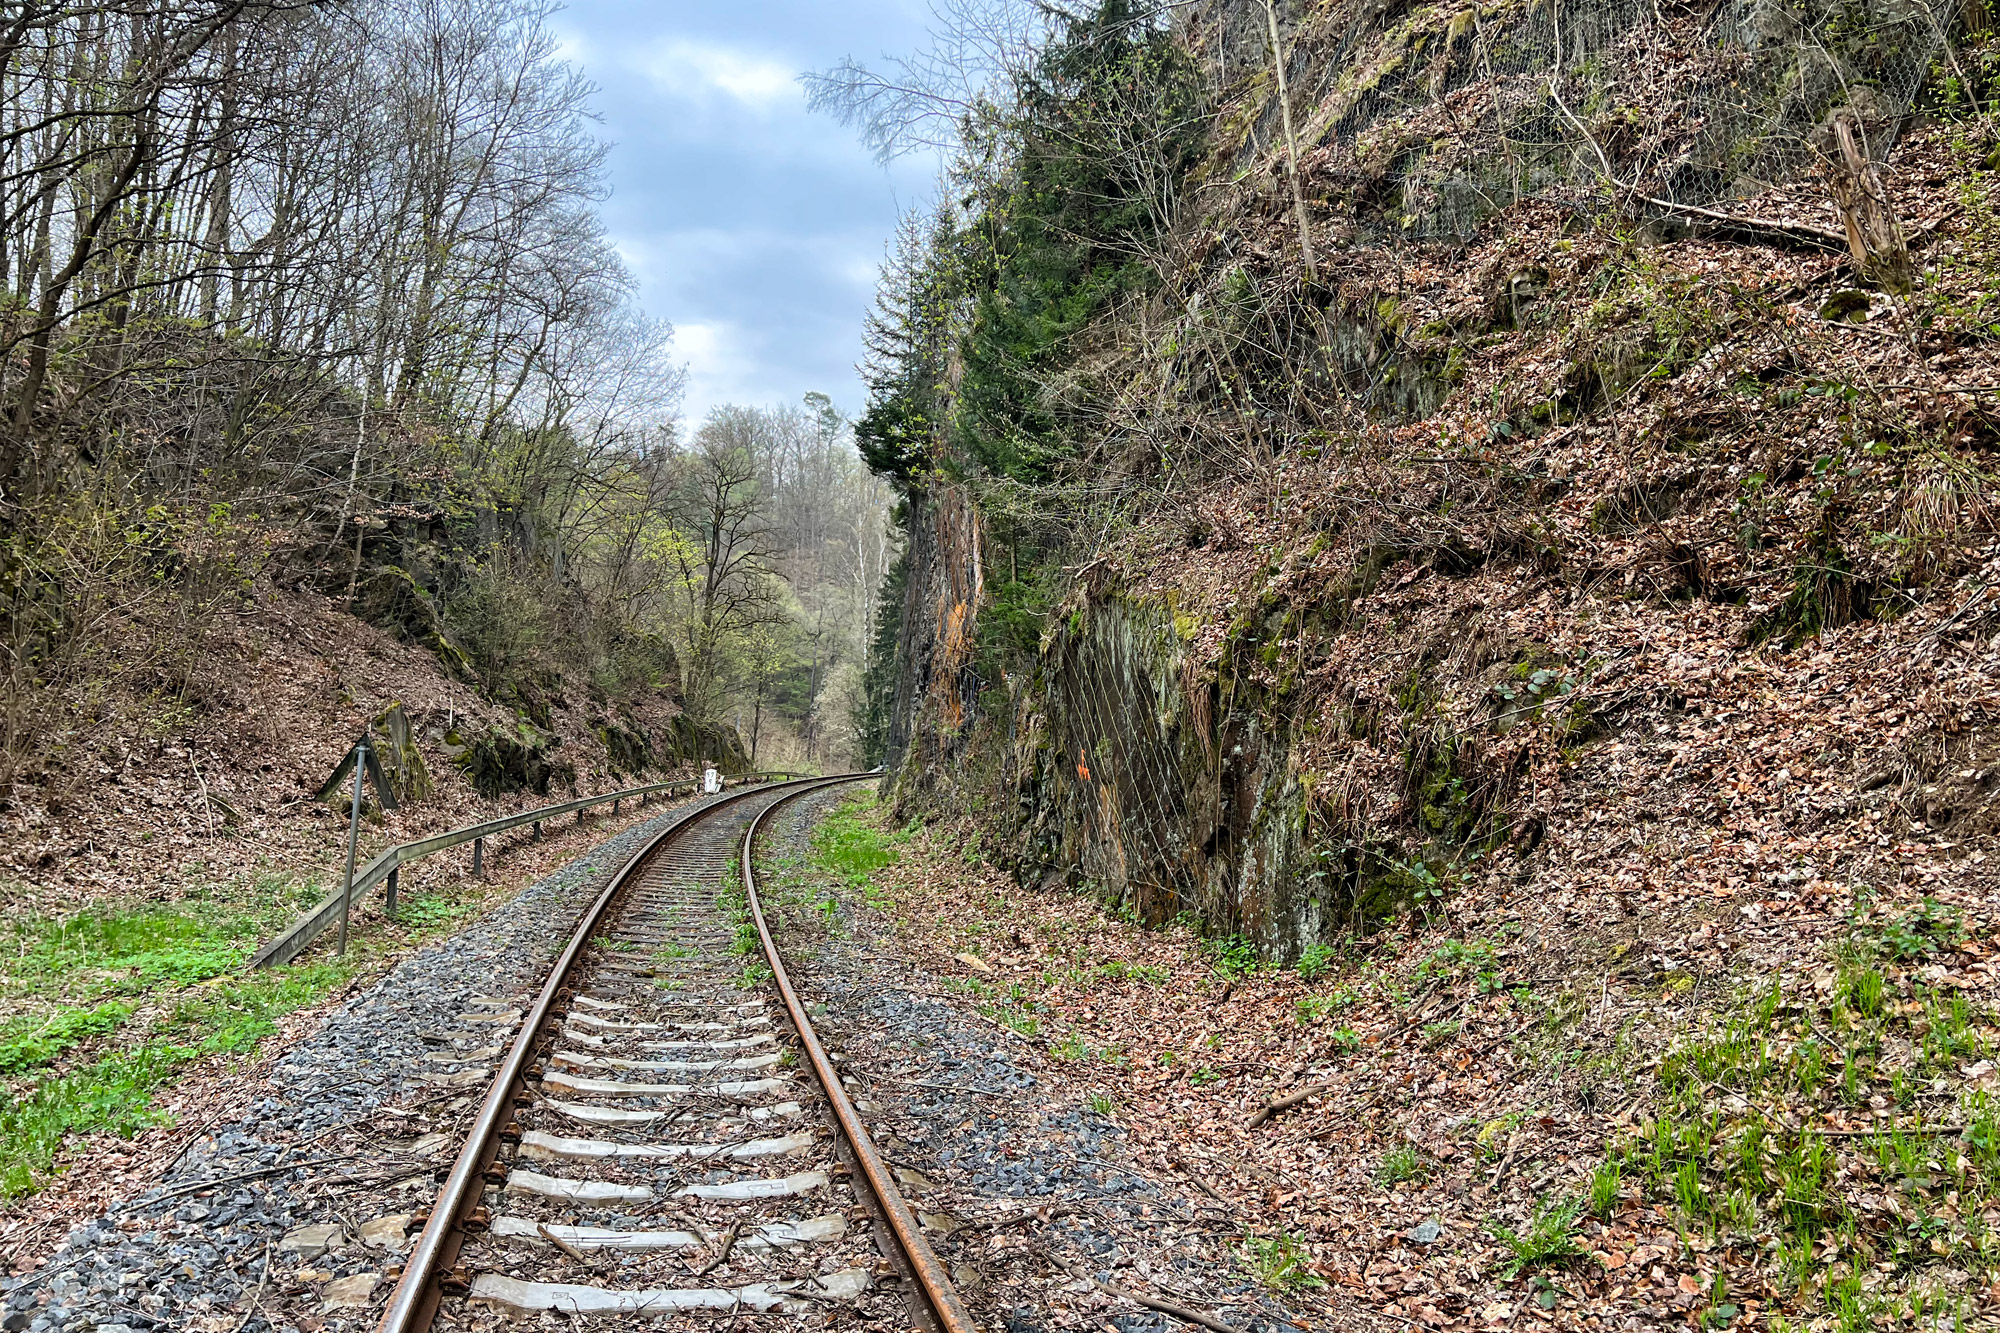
(666, 1136)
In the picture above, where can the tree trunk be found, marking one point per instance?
(1873, 234)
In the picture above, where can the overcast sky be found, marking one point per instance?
(755, 227)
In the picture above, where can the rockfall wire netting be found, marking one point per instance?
(1442, 116)
(1118, 749)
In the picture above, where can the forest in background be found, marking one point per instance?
(317, 298)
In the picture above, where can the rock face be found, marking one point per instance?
(390, 596)
(1168, 777)
(398, 762)
(498, 763)
(396, 750)
(1168, 789)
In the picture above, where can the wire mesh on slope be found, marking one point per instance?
(1122, 758)
(1450, 112)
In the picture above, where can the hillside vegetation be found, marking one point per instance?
(327, 407)
(1500, 522)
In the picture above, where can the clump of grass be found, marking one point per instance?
(1550, 1238)
(1016, 1019)
(1280, 1262)
(1399, 1164)
(1607, 1183)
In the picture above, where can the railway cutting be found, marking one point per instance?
(661, 1118)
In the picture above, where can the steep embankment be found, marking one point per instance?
(173, 837)
(1568, 630)
(154, 795)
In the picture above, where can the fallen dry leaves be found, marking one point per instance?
(1429, 1054)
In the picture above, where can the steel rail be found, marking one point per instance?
(415, 1299)
(309, 927)
(939, 1293)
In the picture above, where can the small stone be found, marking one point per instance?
(1424, 1233)
(350, 1293)
(310, 1242)
(942, 1224)
(386, 1233)
(427, 1144)
(915, 1180)
(462, 1079)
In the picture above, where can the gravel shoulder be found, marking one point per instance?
(1028, 1190)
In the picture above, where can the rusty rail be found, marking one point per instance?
(939, 1293)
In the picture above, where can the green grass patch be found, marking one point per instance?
(32, 1041)
(107, 1004)
(852, 849)
(1743, 1148)
(113, 1095)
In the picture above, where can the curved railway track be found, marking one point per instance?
(660, 1139)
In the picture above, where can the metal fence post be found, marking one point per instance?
(391, 895)
(353, 839)
(479, 858)
(538, 830)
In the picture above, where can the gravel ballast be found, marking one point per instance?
(1023, 1187)
(295, 1216)
(360, 1117)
